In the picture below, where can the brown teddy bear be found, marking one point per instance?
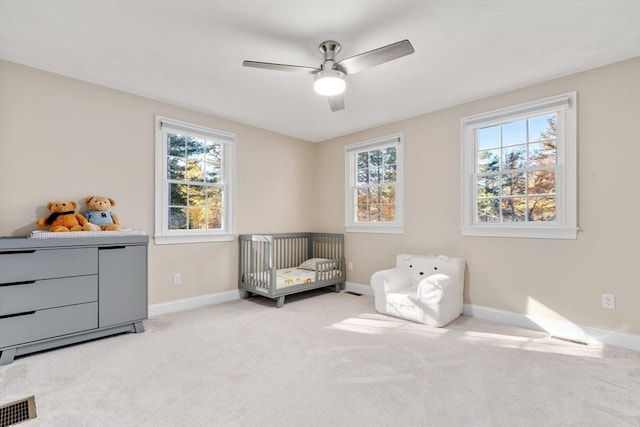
(99, 213)
(63, 217)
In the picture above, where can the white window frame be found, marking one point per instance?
(351, 225)
(163, 235)
(565, 224)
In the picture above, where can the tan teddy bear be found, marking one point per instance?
(100, 215)
(63, 217)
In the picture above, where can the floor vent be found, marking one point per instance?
(17, 412)
(570, 340)
(353, 293)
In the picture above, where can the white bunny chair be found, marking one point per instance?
(421, 288)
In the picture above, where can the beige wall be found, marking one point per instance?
(556, 279)
(65, 139)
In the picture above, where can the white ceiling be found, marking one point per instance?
(189, 53)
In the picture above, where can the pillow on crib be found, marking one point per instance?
(311, 264)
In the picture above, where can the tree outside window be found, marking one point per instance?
(194, 174)
(516, 171)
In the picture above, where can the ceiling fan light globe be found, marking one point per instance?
(329, 83)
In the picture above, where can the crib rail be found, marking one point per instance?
(256, 265)
(290, 250)
(326, 245)
(328, 270)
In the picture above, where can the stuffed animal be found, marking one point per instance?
(63, 217)
(99, 213)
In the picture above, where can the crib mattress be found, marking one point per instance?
(294, 276)
(289, 277)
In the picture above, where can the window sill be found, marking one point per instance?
(521, 232)
(383, 229)
(193, 238)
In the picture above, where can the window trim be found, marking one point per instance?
(162, 234)
(351, 226)
(565, 226)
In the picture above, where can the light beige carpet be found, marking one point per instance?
(325, 359)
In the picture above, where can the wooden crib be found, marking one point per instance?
(277, 265)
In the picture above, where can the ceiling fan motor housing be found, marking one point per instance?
(329, 49)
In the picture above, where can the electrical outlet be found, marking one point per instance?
(177, 279)
(608, 301)
(350, 266)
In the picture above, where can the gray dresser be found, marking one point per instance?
(60, 291)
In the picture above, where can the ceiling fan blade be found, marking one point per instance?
(336, 102)
(375, 57)
(281, 67)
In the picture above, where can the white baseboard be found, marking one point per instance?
(593, 336)
(357, 288)
(221, 297)
(194, 302)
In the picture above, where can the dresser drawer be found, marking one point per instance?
(48, 324)
(42, 294)
(18, 266)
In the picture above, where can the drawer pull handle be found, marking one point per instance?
(27, 282)
(18, 252)
(111, 247)
(26, 313)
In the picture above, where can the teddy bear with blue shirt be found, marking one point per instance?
(99, 213)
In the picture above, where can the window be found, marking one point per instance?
(519, 170)
(373, 171)
(194, 183)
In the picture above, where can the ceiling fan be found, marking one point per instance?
(329, 78)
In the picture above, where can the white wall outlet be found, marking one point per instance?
(177, 279)
(350, 266)
(608, 301)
